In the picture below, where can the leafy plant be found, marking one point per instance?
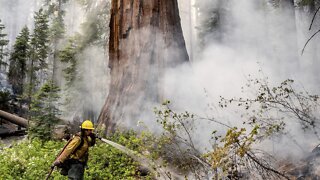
(176, 144)
(28, 159)
(232, 155)
(273, 107)
(32, 159)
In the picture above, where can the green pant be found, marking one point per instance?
(76, 171)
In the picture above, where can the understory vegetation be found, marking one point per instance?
(32, 159)
(234, 152)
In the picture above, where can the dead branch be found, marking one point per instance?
(308, 41)
(265, 167)
(314, 16)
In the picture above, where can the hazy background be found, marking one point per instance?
(252, 35)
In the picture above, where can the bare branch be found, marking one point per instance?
(265, 167)
(314, 16)
(213, 120)
(308, 41)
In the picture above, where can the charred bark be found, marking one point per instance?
(145, 39)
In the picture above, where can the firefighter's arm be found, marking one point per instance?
(74, 143)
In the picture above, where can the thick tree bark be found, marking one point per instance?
(145, 39)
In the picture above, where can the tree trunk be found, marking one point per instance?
(14, 119)
(145, 39)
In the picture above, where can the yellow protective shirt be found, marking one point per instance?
(72, 152)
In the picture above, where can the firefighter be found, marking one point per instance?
(73, 159)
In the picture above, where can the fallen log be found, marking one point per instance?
(13, 133)
(59, 132)
(14, 119)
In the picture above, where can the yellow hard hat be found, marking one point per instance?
(87, 124)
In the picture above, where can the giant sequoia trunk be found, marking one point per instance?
(145, 39)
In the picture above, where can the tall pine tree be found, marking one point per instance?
(18, 60)
(38, 51)
(57, 32)
(3, 44)
(68, 56)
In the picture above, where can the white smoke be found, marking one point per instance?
(16, 14)
(90, 92)
(255, 35)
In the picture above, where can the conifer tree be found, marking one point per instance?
(57, 31)
(5, 100)
(39, 48)
(40, 40)
(3, 44)
(44, 111)
(210, 15)
(68, 56)
(18, 60)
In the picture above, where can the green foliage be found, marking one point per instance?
(176, 144)
(57, 29)
(68, 56)
(232, 154)
(56, 12)
(5, 100)
(32, 160)
(18, 62)
(306, 2)
(28, 160)
(273, 107)
(106, 162)
(39, 48)
(3, 43)
(268, 113)
(44, 111)
(95, 28)
(39, 45)
(73, 52)
(40, 40)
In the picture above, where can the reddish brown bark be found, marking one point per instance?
(145, 39)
